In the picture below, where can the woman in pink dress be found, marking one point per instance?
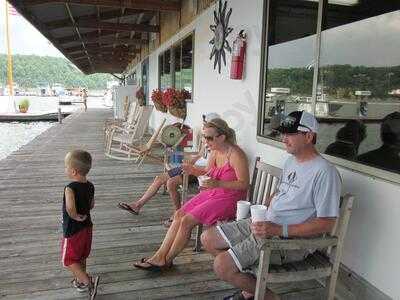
(229, 180)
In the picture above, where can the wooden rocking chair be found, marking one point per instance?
(121, 137)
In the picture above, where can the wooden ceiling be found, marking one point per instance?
(98, 36)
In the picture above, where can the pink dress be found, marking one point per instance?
(218, 204)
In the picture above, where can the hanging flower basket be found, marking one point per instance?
(177, 103)
(140, 96)
(160, 107)
(177, 112)
(157, 98)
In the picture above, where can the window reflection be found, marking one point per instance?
(291, 44)
(187, 64)
(176, 66)
(358, 80)
(177, 63)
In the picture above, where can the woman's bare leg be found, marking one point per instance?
(150, 192)
(188, 222)
(159, 258)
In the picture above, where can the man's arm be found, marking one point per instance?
(70, 206)
(310, 228)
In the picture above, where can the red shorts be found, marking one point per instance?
(76, 248)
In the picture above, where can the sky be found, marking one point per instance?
(25, 39)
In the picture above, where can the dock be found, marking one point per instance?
(31, 184)
(31, 117)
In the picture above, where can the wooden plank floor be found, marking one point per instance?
(31, 186)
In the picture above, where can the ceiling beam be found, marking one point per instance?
(117, 27)
(88, 35)
(157, 5)
(99, 58)
(117, 42)
(102, 17)
(115, 52)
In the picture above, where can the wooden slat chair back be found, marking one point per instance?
(264, 181)
(120, 139)
(263, 184)
(145, 151)
(128, 122)
(321, 265)
(140, 127)
(126, 127)
(132, 115)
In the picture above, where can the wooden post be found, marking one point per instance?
(59, 115)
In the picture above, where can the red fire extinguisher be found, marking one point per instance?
(238, 55)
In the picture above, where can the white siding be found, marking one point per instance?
(373, 242)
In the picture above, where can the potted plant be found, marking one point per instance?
(177, 103)
(157, 98)
(23, 105)
(140, 96)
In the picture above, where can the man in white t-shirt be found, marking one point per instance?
(305, 204)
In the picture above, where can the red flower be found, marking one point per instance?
(169, 96)
(157, 96)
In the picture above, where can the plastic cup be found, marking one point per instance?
(202, 178)
(258, 213)
(242, 209)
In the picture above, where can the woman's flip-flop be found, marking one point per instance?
(151, 267)
(126, 207)
(168, 222)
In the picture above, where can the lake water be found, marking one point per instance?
(14, 135)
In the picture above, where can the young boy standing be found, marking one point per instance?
(77, 225)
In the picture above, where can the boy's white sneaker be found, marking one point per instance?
(92, 289)
(79, 286)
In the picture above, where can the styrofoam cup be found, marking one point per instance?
(258, 213)
(242, 209)
(202, 178)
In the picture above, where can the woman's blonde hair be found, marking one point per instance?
(222, 128)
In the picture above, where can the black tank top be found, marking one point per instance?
(84, 193)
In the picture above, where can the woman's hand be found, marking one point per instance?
(187, 168)
(210, 183)
(81, 218)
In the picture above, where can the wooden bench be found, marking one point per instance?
(265, 178)
(321, 265)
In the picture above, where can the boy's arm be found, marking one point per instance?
(70, 206)
(92, 203)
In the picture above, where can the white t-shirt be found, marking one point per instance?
(306, 190)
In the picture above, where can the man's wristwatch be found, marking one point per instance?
(285, 230)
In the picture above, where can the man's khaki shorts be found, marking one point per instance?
(245, 248)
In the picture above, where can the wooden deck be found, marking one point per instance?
(31, 185)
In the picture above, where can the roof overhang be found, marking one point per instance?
(98, 36)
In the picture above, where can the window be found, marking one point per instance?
(165, 70)
(354, 91)
(176, 66)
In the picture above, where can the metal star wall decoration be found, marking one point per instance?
(221, 31)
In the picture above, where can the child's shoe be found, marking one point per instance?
(92, 288)
(79, 286)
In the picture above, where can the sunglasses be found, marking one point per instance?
(210, 138)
